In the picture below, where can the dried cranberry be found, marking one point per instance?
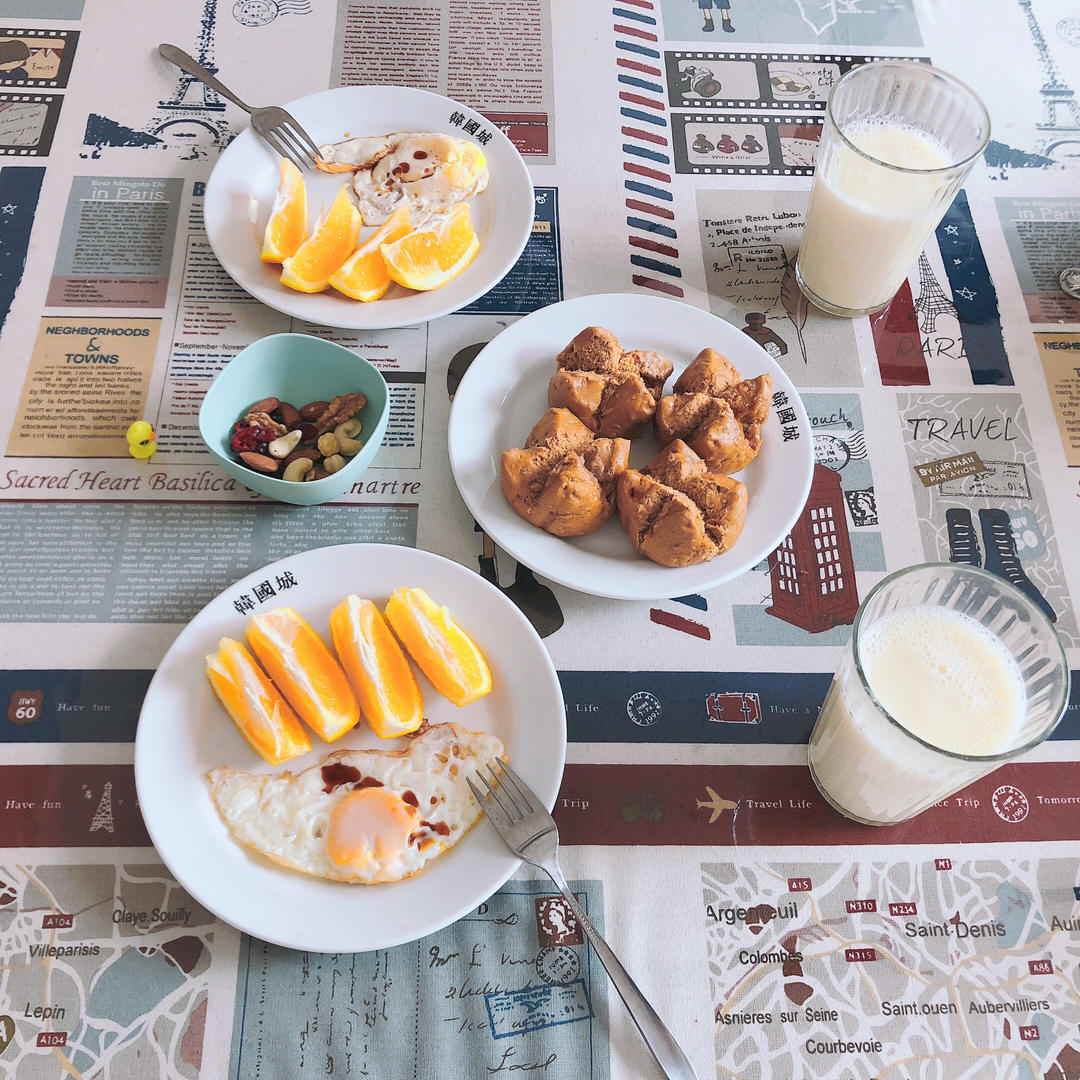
(249, 438)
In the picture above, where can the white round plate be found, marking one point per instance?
(504, 393)
(241, 189)
(184, 732)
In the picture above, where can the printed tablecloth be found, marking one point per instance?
(671, 145)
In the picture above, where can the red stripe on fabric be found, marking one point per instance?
(650, 208)
(634, 32)
(898, 342)
(654, 245)
(659, 286)
(641, 170)
(639, 3)
(648, 136)
(677, 622)
(635, 66)
(637, 99)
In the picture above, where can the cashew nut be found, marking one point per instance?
(298, 469)
(348, 443)
(283, 446)
(334, 462)
(328, 444)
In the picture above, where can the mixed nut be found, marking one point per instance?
(276, 438)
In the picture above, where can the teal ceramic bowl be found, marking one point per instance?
(296, 368)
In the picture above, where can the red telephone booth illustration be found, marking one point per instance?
(813, 575)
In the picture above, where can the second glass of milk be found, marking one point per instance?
(898, 140)
(950, 673)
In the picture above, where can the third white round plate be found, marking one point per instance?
(241, 190)
(184, 732)
(504, 393)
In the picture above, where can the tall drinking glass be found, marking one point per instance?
(950, 673)
(898, 140)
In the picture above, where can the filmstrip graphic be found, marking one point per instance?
(32, 57)
(709, 143)
(703, 80)
(27, 123)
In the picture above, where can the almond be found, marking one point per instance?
(267, 405)
(259, 462)
(289, 415)
(313, 410)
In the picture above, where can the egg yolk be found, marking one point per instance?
(368, 825)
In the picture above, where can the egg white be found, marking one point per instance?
(284, 817)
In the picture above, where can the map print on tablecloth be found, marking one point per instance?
(998, 519)
(801, 22)
(942, 969)
(809, 592)
(105, 971)
(510, 988)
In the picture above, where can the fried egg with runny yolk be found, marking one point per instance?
(361, 816)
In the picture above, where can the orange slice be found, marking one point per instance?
(326, 249)
(427, 259)
(441, 649)
(287, 227)
(305, 670)
(364, 276)
(385, 684)
(259, 712)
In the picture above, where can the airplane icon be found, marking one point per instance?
(716, 804)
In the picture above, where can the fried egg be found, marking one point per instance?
(362, 816)
(428, 172)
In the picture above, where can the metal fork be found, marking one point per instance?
(529, 831)
(285, 136)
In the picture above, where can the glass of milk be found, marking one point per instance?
(898, 140)
(951, 671)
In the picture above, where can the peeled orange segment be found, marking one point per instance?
(364, 276)
(332, 242)
(441, 649)
(259, 711)
(389, 694)
(428, 258)
(305, 671)
(287, 228)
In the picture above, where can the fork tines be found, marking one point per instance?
(289, 140)
(509, 795)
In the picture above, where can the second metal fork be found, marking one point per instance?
(529, 831)
(285, 136)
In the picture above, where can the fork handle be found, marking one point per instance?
(196, 70)
(661, 1042)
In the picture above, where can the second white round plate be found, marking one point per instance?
(504, 393)
(184, 732)
(241, 188)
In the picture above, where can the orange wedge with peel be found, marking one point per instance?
(443, 651)
(430, 257)
(258, 710)
(286, 229)
(305, 671)
(332, 242)
(384, 682)
(363, 275)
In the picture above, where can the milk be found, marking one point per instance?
(943, 677)
(866, 223)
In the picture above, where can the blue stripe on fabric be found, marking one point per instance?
(645, 118)
(632, 80)
(655, 264)
(629, 46)
(974, 296)
(640, 151)
(648, 189)
(653, 227)
(635, 15)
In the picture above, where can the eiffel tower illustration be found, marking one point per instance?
(103, 816)
(1057, 96)
(194, 110)
(932, 302)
